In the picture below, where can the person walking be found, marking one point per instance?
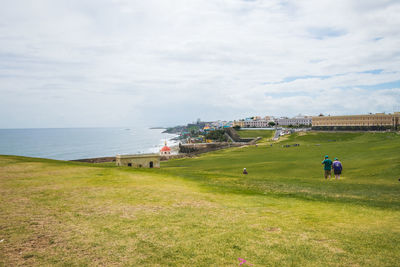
(244, 171)
(337, 168)
(327, 167)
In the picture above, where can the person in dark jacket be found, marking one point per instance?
(337, 168)
(327, 167)
(244, 171)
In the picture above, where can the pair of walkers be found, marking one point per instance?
(328, 165)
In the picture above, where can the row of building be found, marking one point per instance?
(268, 121)
(367, 120)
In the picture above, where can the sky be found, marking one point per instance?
(99, 63)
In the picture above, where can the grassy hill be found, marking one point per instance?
(264, 134)
(204, 212)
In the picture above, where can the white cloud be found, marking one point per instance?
(99, 63)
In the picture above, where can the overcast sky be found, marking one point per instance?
(70, 63)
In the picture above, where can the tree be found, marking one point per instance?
(236, 127)
(271, 123)
(193, 130)
(217, 135)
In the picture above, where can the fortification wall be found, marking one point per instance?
(206, 147)
(236, 137)
(138, 161)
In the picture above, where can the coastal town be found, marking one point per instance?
(365, 122)
(201, 137)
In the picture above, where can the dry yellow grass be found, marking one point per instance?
(204, 212)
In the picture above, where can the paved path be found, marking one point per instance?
(277, 134)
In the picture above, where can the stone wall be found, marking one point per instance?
(236, 137)
(175, 156)
(96, 160)
(206, 147)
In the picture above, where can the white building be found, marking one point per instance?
(256, 123)
(298, 120)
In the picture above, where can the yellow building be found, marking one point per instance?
(139, 161)
(378, 119)
(238, 123)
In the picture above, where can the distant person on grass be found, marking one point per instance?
(337, 168)
(327, 167)
(244, 171)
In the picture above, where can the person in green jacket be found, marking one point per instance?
(327, 167)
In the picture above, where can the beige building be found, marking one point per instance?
(139, 161)
(378, 119)
(238, 123)
(256, 124)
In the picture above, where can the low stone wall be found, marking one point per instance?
(206, 147)
(185, 150)
(236, 137)
(97, 160)
(178, 156)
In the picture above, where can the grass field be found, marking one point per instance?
(264, 134)
(203, 212)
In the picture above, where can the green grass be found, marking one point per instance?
(203, 212)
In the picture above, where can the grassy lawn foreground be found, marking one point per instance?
(204, 212)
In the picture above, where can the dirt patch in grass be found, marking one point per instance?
(273, 229)
(194, 204)
(25, 251)
(33, 169)
(122, 211)
(329, 244)
(20, 169)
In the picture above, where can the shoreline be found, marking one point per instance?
(96, 160)
(86, 144)
(108, 159)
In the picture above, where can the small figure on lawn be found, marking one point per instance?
(337, 168)
(245, 171)
(327, 167)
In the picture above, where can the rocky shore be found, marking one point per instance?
(96, 160)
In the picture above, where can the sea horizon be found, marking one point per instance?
(81, 127)
(69, 143)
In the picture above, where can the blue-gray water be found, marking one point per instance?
(78, 143)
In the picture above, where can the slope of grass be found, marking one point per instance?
(368, 159)
(264, 134)
(203, 211)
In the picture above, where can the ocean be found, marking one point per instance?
(80, 143)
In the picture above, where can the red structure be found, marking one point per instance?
(165, 150)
